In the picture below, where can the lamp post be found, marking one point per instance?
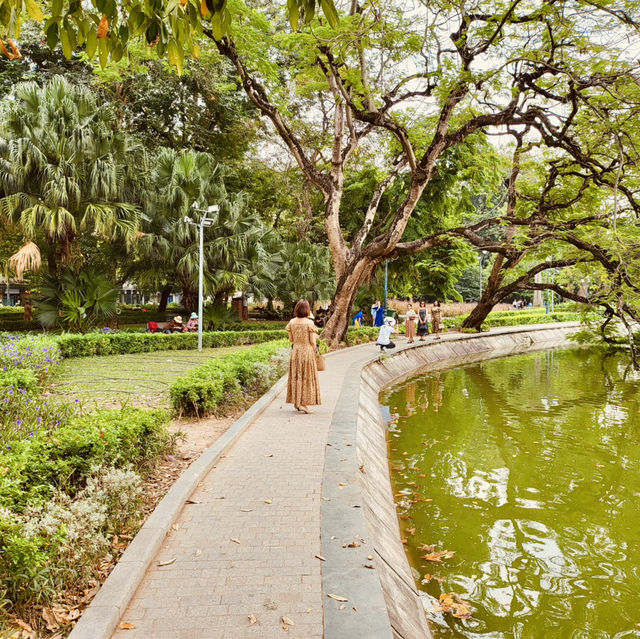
(546, 302)
(204, 221)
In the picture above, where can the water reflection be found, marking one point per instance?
(528, 468)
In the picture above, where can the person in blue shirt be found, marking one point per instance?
(358, 319)
(380, 316)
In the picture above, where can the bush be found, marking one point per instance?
(231, 377)
(518, 318)
(61, 456)
(123, 343)
(18, 378)
(361, 335)
(38, 353)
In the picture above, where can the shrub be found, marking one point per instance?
(61, 457)
(202, 390)
(18, 378)
(53, 545)
(361, 335)
(127, 342)
(37, 353)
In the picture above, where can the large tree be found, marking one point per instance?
(408, 82)
(65, 170)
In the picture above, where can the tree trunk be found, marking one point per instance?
(164, 299)
(347, 288)
(189, 299)
(479, 314)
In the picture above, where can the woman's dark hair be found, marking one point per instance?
(302, 309)
(436, 303)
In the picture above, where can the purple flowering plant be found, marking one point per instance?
(38, 353)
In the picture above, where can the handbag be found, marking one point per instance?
(320, 361)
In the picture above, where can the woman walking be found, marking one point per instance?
(436, 318)
(410, 323)
(423, 320)
(303, 387)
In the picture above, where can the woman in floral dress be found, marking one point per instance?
(303, 387)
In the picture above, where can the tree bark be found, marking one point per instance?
(164, 299)
(355, 274)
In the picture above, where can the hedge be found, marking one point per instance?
(228, 378)
(122, 343)
(518, 318)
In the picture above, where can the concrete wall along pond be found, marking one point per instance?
(394, 608)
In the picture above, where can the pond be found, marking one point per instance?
(518, 485)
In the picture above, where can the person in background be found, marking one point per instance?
(410, 322)
(192, 324)
(175, 325)
(380, 316)
(374, 312)
(384, 336)
(436, 318)
(423, 320)
(303, 387)
(358, 319)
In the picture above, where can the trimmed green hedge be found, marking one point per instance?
(123, 343)
(227, 379)
(518, 318)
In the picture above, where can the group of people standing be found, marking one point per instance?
(418, 322)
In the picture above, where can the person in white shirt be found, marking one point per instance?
(384, 336)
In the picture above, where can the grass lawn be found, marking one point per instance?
(140, 379)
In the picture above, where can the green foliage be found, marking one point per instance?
(36, 353)
(361, 335)
(517, 318)
(228, 379)
(64, 491)
(18, 378)
(77, 300)
(120, 343)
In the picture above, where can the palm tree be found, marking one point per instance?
(235, 247)
(64, 169)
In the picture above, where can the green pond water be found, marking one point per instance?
(528, 468)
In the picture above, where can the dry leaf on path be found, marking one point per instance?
(337, 597)
(288, 621)
(234, 540)
(167, 563)
(267, 501)
(320, 557)
(252, 620)
(125, 625)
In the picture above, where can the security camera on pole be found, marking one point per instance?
(204, 221)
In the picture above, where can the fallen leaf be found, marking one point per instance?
(235, 540)
(362, 470)
(252, 620)
(197, 553)
(410, 531)
(341, 607)
(341, 484)
(246, 510)
(267, 501)
(308, 610)
(320, 557)
(49, 616)
(125, 625)
(22, 624)
(192, 501)
(370, 566)
(271, 455)
(167, 563)
(288, 621)
(337, 597)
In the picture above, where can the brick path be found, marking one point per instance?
(265, 494)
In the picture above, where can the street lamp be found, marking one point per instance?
(204, 221)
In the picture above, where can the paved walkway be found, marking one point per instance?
(247, 544)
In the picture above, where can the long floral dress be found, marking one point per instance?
(303, 388)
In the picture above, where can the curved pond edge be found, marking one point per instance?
(365, 561)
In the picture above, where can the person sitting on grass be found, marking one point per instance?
(384, 336)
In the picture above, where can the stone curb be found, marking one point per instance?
(100, 619)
